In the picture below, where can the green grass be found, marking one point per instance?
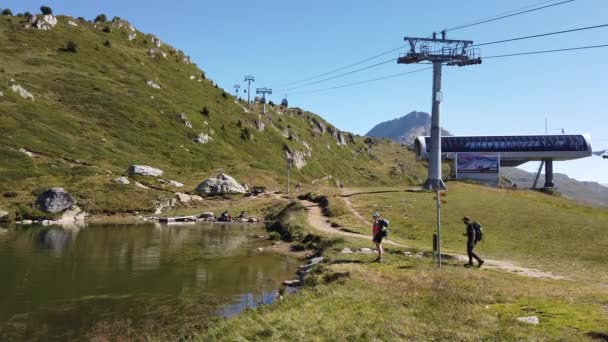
(407, 299)
(94, 106)
(531, 228)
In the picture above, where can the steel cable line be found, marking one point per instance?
(507, 16)
(341, 75)
(500, 16)
(541, 35)
(362, 82)
(346, 67)
(429, 68)
(548, 51)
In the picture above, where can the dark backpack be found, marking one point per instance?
(384, 230)
(478, 231)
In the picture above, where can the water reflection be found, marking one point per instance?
(56, 281)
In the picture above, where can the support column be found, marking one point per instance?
(434, 181)
(549, 174)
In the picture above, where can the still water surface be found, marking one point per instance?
(140, 280)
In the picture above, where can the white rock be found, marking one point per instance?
(192, 77)
(220, 185)
(50, 19)
(346, 251)
(122, 180)
(185, 120)
(22, 92)
(26, 152)
(74, 214)
(203, 138)
(176, 184)
(144, 170)
(139, 185)
(529, 320)
(32, 19)
(366, 250)
(132, 36)
(408, 254)
(131, 28)
(4, 216)
(186, 59)
(1, 94)
(153, 84)
(27, 222)
(196, 198)
(157, 42)
(183, 198)
(71, 23)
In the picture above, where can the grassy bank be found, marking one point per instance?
(407, 299)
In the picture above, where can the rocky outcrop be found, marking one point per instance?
(54, 201)
(186, 60)
(203, 138)
(153, 52)
(298, 158)
(222, 184)
(153, 84)
(72, 23)
(338, 136)
(132, 36)
(260, 125)
(185, 120)
(144, 170)
(45, 23)
(318, 126)
(73, 214)
(157, 42)
(19, 90)
(122, 180)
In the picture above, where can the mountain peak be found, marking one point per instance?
(404, 129)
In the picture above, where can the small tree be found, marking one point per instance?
(71, 46)
(7, 11)
(101, 18)
(107, 43)
(224, 95)
(205, 111)
(271, 104)
(27, 14)
(81, 19)
(107, 29)
(46, 10)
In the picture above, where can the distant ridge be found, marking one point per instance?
(405, 129)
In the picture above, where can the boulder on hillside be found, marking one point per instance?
(55, 200)
(19, 90)
(176, 184)
(220, 185)
(132, 36)
(144, 170)
(122, 180)
(203, 138)
(153, 84)
(71, 23)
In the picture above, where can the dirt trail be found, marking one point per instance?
(321, 223)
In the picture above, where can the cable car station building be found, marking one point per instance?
(514, 150)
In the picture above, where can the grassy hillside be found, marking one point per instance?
(94, 115)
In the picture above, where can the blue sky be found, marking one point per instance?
(284, 41)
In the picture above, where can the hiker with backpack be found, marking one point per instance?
(380, 231)
(474, 234)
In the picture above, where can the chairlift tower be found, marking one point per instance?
(263, 91)
(249, 79)
(236, 88)
(438, 52)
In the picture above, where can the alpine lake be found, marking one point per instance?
(134, 281)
